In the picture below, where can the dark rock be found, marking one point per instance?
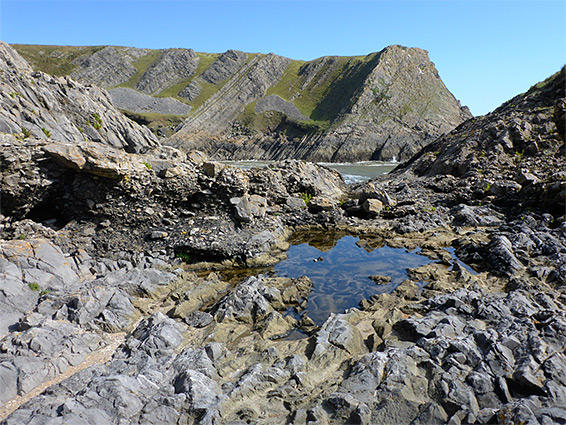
(198, 319)
(559, 117)
(502, 256)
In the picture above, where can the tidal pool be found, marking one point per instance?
(340, 267)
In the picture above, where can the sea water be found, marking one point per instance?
(353, 172)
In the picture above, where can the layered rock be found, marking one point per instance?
(172, 66)
(220, 111)
(93, 239)
(108, 67)
(34, 104)
(385, 105)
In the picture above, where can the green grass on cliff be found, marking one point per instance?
(205, 61)
(142, 64)
(329, 91)
(54, 60)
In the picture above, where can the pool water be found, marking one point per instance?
(340, 266)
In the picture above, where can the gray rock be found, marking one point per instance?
(225, 66)
(248, 207)
(172, 66)
(131, 100)
(198, 319)
(202, 392)
(107, 67)
(157, 335)
(192, 91)
(502, 256)
(245, 304)
(278, 104)
(8, 381)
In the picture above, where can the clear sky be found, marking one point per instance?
(485, 51)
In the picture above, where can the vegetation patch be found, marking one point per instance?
(34, 286)
(156, 122)
(54, 60)
(97, 123)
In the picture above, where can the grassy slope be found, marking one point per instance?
(328, 94)
(54, 60)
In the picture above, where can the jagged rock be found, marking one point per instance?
(157, 335)
(172, 66)
(65, 110)
(246, 304)
(501, 253)
(225, 66)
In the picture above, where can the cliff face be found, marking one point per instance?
(35, 104)
(385, 105)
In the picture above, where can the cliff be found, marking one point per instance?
(385, 105)
(103, 320)
(35, 104)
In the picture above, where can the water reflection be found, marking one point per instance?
(340, 266)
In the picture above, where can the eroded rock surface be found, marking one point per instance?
(104, 319)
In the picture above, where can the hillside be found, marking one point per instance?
(105, 320)
(239, 105)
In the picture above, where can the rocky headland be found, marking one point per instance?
(114, 307)
(237, 105)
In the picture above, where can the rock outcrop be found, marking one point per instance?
(172, 66)
(382, 106)
(108, 67)
(34, 104)
(103, 319)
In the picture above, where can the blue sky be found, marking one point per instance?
(485, 51)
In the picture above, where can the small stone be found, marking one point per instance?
(158, 234)
(372, 207)
(379, 279)
(198, 319)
